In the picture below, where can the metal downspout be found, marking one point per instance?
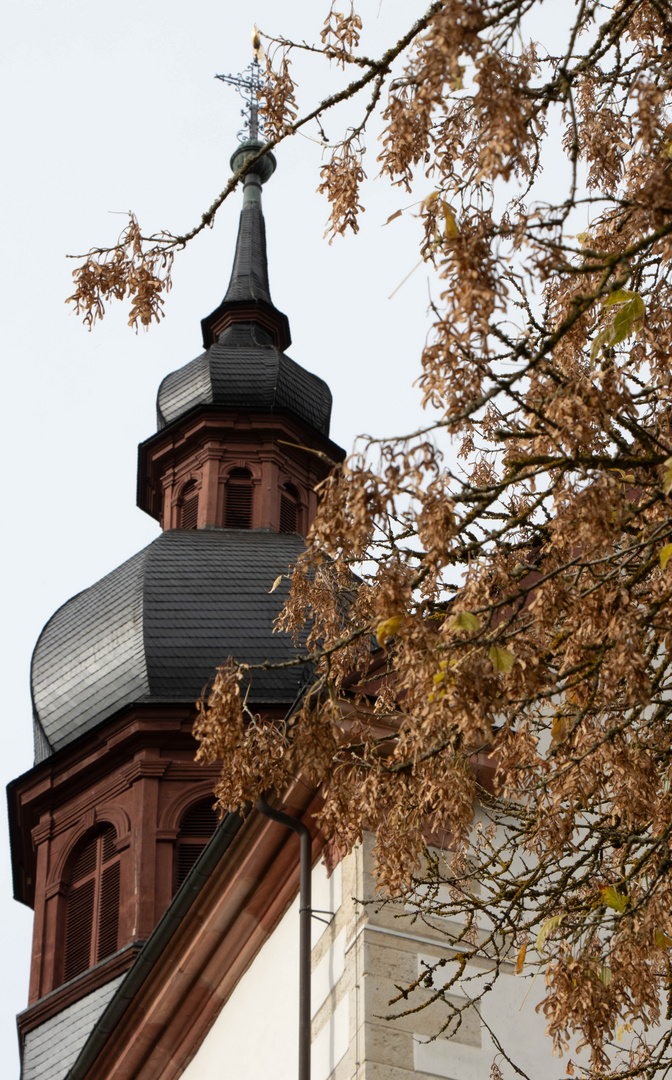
(305, 912)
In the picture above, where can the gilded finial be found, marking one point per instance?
(257, 47)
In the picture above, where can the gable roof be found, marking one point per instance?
(51, 1049)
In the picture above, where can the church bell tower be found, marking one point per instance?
(111, 818)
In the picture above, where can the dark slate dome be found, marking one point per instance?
(245, 370)
(157, 627)
(245, 365)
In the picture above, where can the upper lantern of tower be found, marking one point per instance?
(244, 365)
(243, 408)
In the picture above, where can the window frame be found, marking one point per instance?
(92, 902)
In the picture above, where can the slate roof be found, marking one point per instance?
(244, 370)
(156, 628)
(244, 366)
(248, 290)
(52, 1048)
(249, 276)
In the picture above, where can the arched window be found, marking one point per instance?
(92, 903)
(196, 828)
(238, 510)
(188, 509)
(289, 509)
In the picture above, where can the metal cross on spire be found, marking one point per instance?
(248, 84)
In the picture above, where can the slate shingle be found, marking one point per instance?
(52, 1048)
(244, 370)
(249, 276)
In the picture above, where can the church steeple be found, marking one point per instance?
(248, 298)
(108, 822)
(243, 431)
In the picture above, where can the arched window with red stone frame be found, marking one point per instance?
(196, 827)
(91, 928)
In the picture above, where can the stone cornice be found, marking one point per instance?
(43, 831)
(142, 767)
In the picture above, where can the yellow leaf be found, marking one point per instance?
(605, 975)
(451, 225)
(550, 925)
(667, 478)
(662, 940)
(465, 621)
(502, 659)
(665, 555)
(614, 899)
(559, 728)
(627, 320)
(619, 297)
(429, 199)
(275, 584)
(388, 628)
(622, 1028)
(521, 959)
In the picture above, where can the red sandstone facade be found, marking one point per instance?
(138, 775)
(208, 453)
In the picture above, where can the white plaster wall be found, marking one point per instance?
(332, 1042)
(255, 1036)
(326, 899)
(357, 962)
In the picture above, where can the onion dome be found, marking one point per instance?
(244, 370)
(155, 630)
(244, 365)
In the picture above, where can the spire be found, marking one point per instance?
(248, 297)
